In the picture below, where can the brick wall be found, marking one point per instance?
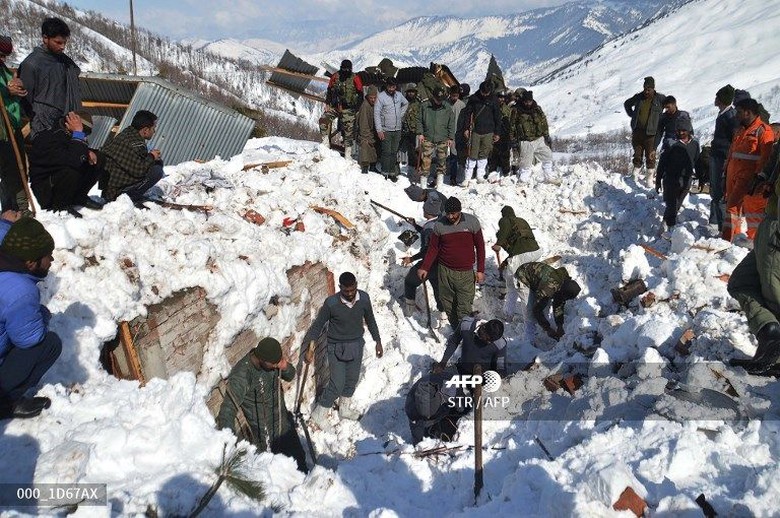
(173, 335)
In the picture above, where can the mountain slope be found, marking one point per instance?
(527, 45)
(692, 52)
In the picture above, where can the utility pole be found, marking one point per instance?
(132, 38)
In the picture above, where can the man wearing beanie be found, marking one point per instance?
(482, 125)
(546, 284)
(725, 127)
(62, 167)
(455, 243)
(483, 344)
(254, 406)
(51, 79)
(436, 129)
(133, 169)
(27, 347)
(530, 135)
(343, 98)
(344, 314)
(675, 172)
(432, 209)
(13, 195)
(645, 110)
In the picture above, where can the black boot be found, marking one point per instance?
(767, 353)
(25, 408)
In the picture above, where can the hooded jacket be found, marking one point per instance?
(53, 90)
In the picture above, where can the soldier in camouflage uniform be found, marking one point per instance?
(343, 97)
(545, 284)
(499, 157)
(408, 148)
(530, 135)
(436, 126)
(254, 406)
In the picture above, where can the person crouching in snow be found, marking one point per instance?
(254, 392)
(344, 314)
(429, 410)
(675, 172)
(483, 344)
(27, 348)
(547, 284)
(517, 239)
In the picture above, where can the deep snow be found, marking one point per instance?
(157, 444)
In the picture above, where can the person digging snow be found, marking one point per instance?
(431, 210)
(344, 313)
(547, 283)
(483, 344)
(254, 392)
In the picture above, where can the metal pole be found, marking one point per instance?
(132, 38)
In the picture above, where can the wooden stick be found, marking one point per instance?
(571, 211)
(95, 104)
(653, 251)
(268, 165)
(130, 352)
(19, 161)
(478, 473)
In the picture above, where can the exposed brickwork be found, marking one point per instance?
(174, 334)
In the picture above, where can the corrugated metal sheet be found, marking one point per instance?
(189, 127)
(294, 64)
(101, 129)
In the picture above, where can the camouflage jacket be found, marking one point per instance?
(527, 123)
(506, 119)
(409, 123)
(259, 393)
(544, 281)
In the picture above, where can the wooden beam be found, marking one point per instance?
(295, 74)
(131, 353)
(96, 104)
(267, 165)
(293, 92)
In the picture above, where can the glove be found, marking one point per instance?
(548, 141)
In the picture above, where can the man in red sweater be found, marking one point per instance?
(456, 241)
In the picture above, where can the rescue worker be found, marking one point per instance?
(645, 110)
(343, 98)
(546, 284)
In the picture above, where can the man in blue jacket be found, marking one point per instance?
(27, 347)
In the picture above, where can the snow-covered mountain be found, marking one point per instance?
(692, 52)
(527, 45)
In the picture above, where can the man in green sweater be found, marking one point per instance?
(517, 239)
(344, 314)
(254, 406)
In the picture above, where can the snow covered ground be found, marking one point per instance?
(157, 445)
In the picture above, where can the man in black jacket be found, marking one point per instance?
(675, 172)
(62, 167)
(725, 127)
(482, 125)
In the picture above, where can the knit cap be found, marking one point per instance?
(269, 350)
(649, 81)
(452, 205)
(27, 240)
(725, 95)
(432, 206)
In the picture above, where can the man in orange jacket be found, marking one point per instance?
(749, 151)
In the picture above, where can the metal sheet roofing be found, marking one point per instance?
(293, 83)
(189, 127)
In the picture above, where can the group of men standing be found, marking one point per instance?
(63, 168)
(457, 133)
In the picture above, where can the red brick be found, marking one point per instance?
(630, 501)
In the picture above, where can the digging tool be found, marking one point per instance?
(408, 219)
(20, 163)
(478, 473)
(429, 324)
(299, 401)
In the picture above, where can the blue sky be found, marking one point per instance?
(213, 19)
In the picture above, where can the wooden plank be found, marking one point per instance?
(126, 338)
(295, 74)
(335, 215)
(302, 94)
(96, 104)
(268, 165)
(652, 251)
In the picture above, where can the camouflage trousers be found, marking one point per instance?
(440, 151)
(346, 124)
